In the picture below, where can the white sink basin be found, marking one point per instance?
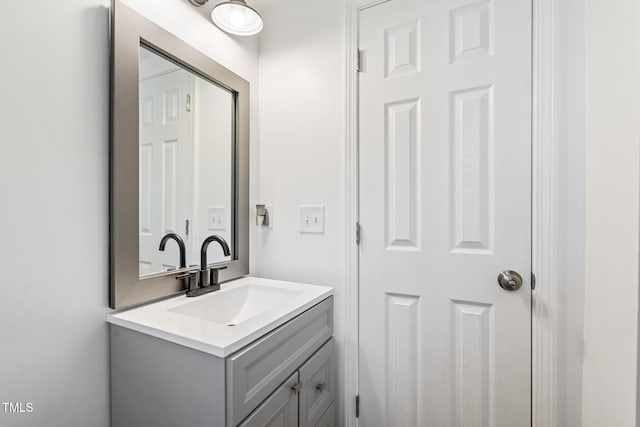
(237, 305)
(224, 321)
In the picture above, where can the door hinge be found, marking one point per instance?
(188, 102)
(358, 233)
(533, 281)
(358, 406)
(358, 59)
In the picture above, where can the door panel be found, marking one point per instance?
(316, 376)
(445, 206)
(279, 410)
(166, 157)
(329, 417)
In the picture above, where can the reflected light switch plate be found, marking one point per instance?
(312, 219)
(217, 219)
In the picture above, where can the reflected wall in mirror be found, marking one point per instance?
(186, 163)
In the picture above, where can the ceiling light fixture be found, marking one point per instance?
(234, 17)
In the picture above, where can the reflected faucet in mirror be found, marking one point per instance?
(180, 242)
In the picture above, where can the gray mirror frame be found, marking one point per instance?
(129, 31)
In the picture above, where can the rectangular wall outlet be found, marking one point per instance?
(217, 218)
(312, 219)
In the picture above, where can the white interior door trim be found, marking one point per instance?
(545, 211)
(350, 315)
(545, 180)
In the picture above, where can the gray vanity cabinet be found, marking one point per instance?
(329, 417)
(279, 410)
(283, 379)
(302, 400)
(316, 378)
(255, 371)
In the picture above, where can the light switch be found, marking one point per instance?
(217, 219)
(312, 219)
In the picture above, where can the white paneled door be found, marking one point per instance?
(166, 165)
(445, 207)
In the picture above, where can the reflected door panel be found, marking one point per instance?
(166, 152)
(186, 137)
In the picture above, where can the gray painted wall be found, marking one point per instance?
(54, 117)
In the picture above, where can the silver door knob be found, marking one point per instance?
(510, 280)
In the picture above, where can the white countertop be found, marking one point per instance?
(192, 322)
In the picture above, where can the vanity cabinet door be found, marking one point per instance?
(258, 369)
(316, 376)
(279, 410)
(329, 417)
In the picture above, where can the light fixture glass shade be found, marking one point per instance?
(236, 17)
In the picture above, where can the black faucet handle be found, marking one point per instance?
(191, 279)
(214, 275)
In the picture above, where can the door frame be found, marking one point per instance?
(545, 211)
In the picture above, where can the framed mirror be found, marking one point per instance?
(179, 162)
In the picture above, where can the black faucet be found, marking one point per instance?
(205, 246)
(180, 242)
(208, 277)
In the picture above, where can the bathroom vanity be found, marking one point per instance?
(206, 345)
(258, 352)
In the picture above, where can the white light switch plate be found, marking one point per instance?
(312, 219)
(217, 219)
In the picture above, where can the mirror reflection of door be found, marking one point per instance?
(185, 163)
(166, 130)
